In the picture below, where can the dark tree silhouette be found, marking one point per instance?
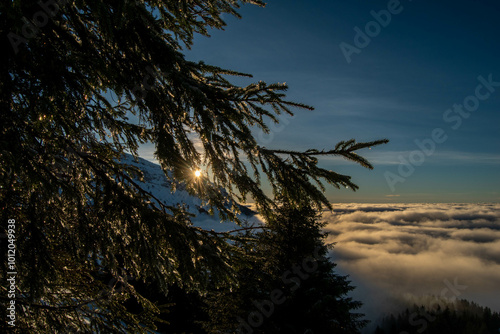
(72, 74)
(458, 317)
(290, 286)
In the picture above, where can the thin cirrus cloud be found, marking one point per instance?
(382, 157)
(400, 250)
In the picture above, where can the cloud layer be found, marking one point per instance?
(392, 251)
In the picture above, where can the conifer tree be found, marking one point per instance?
(319, 301)
(454, 317)
(290, 261)
(73, 73)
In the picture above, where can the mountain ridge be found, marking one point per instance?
(157, 184)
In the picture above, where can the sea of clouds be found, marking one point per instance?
(399, 252)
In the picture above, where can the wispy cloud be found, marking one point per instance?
(364, 106)
(381, 157)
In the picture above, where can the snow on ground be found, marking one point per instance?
(159, 186)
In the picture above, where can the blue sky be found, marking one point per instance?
(398, 86)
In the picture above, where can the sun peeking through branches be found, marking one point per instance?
(198, 182)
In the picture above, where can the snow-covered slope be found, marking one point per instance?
(158, 185)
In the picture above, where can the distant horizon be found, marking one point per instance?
(333, 194)
(394, 252)
(420, 77)
(416, 73)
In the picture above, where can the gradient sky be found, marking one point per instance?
(399, 86)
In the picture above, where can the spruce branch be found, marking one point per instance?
(64, 133)
(344, 148)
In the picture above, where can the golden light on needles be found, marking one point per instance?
(197, 173)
